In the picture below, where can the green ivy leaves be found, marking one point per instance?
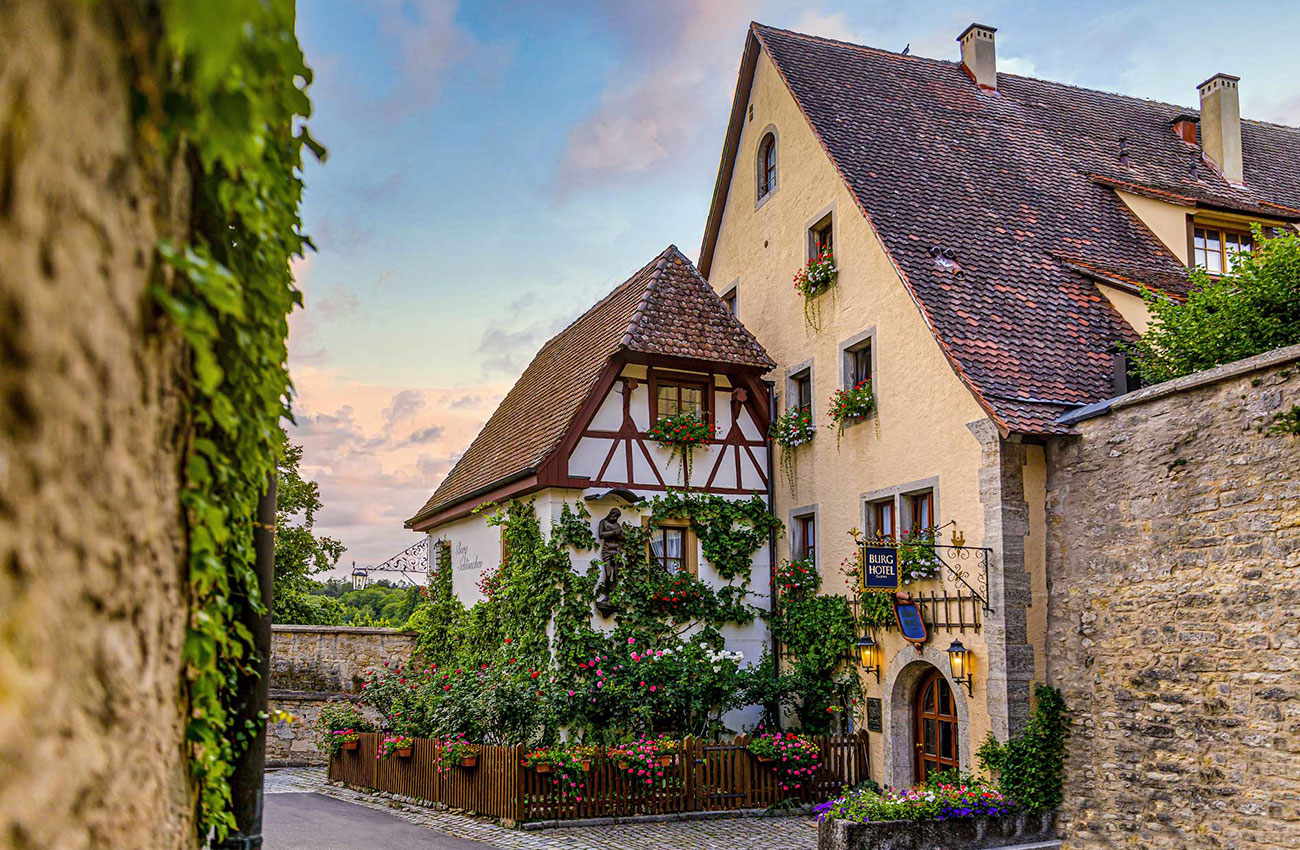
(230, 86)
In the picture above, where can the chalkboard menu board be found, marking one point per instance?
(910, 623)
(873, 715)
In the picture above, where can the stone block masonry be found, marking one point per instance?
(313, 665)
(92, 542)
(1174, 567)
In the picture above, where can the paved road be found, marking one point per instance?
(298, 821)
(297, 797)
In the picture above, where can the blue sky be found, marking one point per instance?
(495, 167)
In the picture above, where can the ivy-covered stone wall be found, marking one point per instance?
(1174, 571)
(92, 546)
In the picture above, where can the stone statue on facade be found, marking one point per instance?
(611, 534)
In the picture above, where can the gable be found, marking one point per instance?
(664, 310)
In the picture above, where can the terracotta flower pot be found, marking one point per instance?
(542, 767)
(350, 745)
(586, 765)
(622, 765)
(765, 759)
(403, 752)
(469, 761)
(664, 761)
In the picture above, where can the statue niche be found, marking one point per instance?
(611, 534)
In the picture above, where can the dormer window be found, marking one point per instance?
(680, 398)
(767, 166)
(1215, 249)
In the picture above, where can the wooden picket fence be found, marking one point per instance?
(704, 777)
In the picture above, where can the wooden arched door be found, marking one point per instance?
(935, 713)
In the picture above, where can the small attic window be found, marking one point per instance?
(767, 166)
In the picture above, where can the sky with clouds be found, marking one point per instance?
(495, 167)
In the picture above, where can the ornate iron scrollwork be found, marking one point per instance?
(412, 559)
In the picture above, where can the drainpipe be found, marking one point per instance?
(771, 539)
(246, 782)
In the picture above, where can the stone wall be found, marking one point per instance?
(92, 557)
(1174, 560)
(313, 665)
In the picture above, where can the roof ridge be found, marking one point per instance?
(913, 56)
(867, 47)
(659, 263)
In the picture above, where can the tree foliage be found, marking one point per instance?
(299, 552)
(1254, 309)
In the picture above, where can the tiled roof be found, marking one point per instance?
(666, 309)
(1020, 185)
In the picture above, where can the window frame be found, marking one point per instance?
(912, 500)
(823, 225)
(876, 511)
(900, 497)
(802, 519)
(731, 298)
(704, 383)
(690, 546)
(765, 189)
(1239, 230)
(793, 376)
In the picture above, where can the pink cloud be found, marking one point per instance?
(378, 452)
(667, 92)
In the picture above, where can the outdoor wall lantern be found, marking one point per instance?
(869, 655)
(962, 662)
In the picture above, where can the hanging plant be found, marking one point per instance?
(876, 610)
(793, 428)
(793, 757)
(917, 559)
(811, 281)
(849, 406)
(681, 433)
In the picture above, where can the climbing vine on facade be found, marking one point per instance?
(226, 94)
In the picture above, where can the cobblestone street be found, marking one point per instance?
(778, 833)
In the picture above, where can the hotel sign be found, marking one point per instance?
(880, 568)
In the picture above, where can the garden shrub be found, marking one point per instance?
(1032, 764)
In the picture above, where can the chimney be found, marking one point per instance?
(978, 56)
(1221, 124)
(1185, 127)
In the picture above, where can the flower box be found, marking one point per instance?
(469, 761)
(542, 767)
(665, 761)
(403, 752)
(975, 833)
(586, 765)
(765, 759)
(349, 745)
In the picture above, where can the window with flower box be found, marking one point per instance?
(801, 390)
(672, 546)
(920, 511)
(804, 545)
(880, 518)
(821, 236)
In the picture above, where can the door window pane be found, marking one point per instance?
(945, 740)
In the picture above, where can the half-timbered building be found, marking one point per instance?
(574, 428)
